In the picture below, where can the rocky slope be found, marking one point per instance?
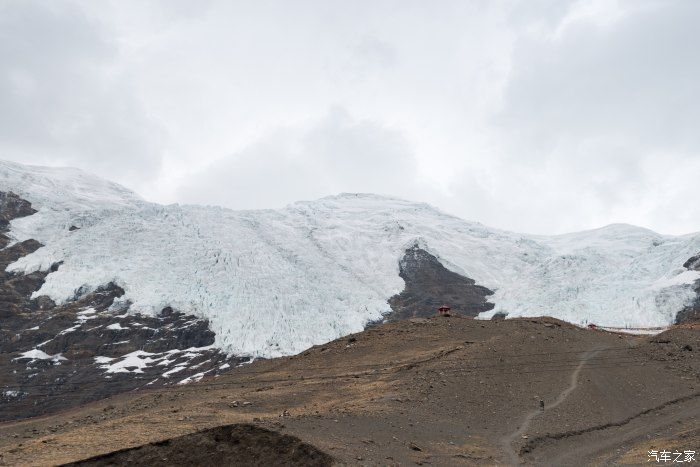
(53, 357)
(430, 285)
(439, 391)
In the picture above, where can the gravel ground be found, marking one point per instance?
(442, 391)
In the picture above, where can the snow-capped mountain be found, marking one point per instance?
(274, 282)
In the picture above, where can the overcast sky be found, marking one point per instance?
(533, 116)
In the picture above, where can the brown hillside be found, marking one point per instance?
(442, 391)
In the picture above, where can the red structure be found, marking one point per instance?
(444, 310)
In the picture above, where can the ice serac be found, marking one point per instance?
(274, 282)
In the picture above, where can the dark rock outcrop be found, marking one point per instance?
(11, 207)
(429, 285)
(693, 263)
(15, 289)
(691, 313)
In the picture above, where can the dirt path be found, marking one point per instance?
(672, 423)
(510, 440)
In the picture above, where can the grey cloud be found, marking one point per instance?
(376, 51)
(633, 81)
(588, 112)
(516, 114)
(334, 154)
(63, 101)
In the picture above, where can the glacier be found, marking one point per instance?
(275, 282)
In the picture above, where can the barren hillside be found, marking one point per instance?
(442, 391)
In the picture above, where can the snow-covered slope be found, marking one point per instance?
(63, 196)
(274, 282)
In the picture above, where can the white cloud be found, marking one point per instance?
(588, 112)
(330, 155)
(63, 100)
(539, 115)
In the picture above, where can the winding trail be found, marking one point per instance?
(510, 440)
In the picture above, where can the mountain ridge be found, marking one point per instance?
(274, 282)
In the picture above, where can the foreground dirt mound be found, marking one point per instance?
(223, 445)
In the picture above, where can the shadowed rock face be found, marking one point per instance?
(224, 445)
(693, 263)
(57, 357)
(691, 313)
(429, 285)
(11, 207)
(16, 289)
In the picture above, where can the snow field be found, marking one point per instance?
(275, 282)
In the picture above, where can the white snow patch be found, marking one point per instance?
(36, 354)
(68, 330)
(115, 327)
(199, 349)
(85, 315)
(200, 364)
(195, 377)
(102, 360)
(133, 362)
(638, 331)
